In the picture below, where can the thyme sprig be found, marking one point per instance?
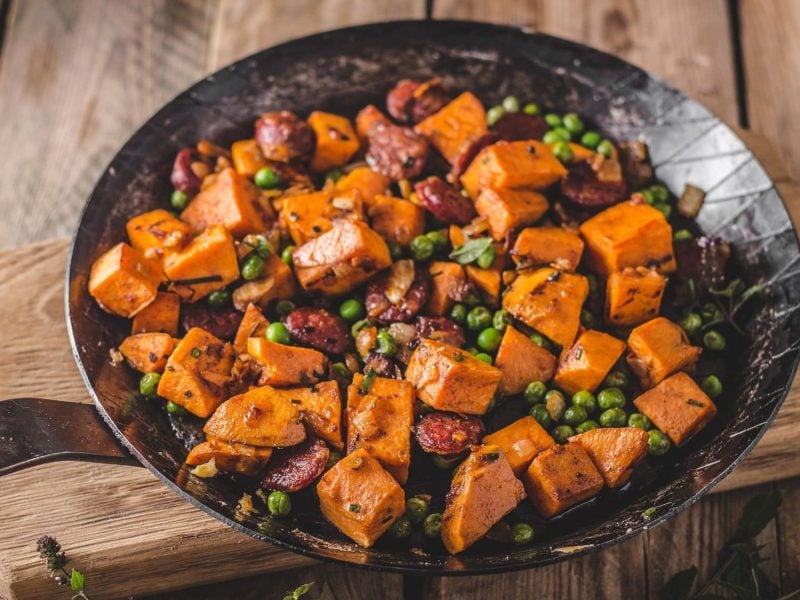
(50, 550)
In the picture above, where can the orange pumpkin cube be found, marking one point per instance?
(247, 157)
(586, 364)
(206, 264)
(147, 352)
(367, 182)
(287, 365)
(123, 281)
(320, 408)
(336, 140)
(448, 282)
(253, 324)
(658, 349)
(307, 216)
(230, 457)
(506, 210)
(160, 316)
(157, 233)
(633, 296)
(520, 442)
(396, 219)
(456, 125)
(487, 281)
(522, 361)
(542, 246)
(615, 451)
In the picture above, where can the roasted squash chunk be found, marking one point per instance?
(341, 259)
(277, 283)
(320, 407)
(554, 246)
(360, 498)
(230, 457)
(678, 407)
(506, 210)
(157, 233)
(560, 477)
(448, 378)
(526, 165)
(196, 372)
(521, 362)
(549, 301)
(520, 442)
(336, 140)
(147, 352)
(367, 182)
(287, 365)
(633, 296)
(588, 362)
(247, 157)
(231, 200)
(455, 126)
(448, 285)
(396, 219)
(160, 316)
(658, 349)
(628, 234)
(253, 324)
(615, 451)
(306, 216)
(379, 419)
(261, 417)
(123, 281)
(487, 281)
(208, 263)
(483, 491)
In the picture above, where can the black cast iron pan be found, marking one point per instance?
(343, 70)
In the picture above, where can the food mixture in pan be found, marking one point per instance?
(346, 302)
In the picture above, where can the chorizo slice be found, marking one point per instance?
(384, 311)
(444, 201)
(382, 365)
(183, 177)
(410, 101)
(397, 152)
(318, 328)
(448, 433)
(221, 322)
(441, 329)
(582, 188)
(295, 468)
(515, 127)
(468, 152)
(283, 136)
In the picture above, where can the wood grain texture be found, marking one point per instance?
(789, 535)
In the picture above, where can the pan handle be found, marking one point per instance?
(35, 431)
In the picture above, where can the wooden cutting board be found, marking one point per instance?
(119, 522)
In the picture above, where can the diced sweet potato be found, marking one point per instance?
(230, 457)
(160, 316)
(341, 259)
(579, 152)
(380, 421)
(196, 372)
(147, 352)
(518, 165)
(456, 235)
(455, 126)
(586, 364)
(253, 324)
(360, 498)
(208, 263)
(157, 233)
(307, 216)
(396, 219)
(487, 281)
(520, 442)
(448, 378)
(554, 246)
(260, 417)
(628, 234)
(549, 301)
(277, 283)
(448, 282)
(123, 281)
(522, 361)
(287, 365)
(336, 140)
(658, 349)
(633, 295)
(677, 406)
(560, 477)
(369, 184)
(506, 210)
(483, 491)
(231, 200)
(615, 451)
(320, 408)
(247, 157)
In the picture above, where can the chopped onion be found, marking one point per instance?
(608, 170)
(476, 227)
(400, 280)
(403, 333)
(343, 203)
(691, 201)
(205, 470)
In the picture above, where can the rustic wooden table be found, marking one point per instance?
(78, 76)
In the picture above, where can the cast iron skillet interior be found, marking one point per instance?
(343, 70)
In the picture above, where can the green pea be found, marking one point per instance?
(551, 137)
(334, 457)
(421, 247)
(489, 339)
(259, 244)
(606, 148)
(590, 139)
(358, 326)
(252, 267)
(553, 120)
(586, 426)
(660, 192)
(588, 319)
(664, 208)
(572, 123)
(175, 409)
(479, 318)
(539, 412)
(715, 341)
(639, 421)
(179, 200)
(563, 152)
(556, 404)
(711, 313)
(432, 525)
(395, 250)
(534, 392)
(616, 379)
(266, 178)
(511, 104)
(494, 114)
(341, 373)
(286, 255)
(562, 433)
(219, 298)
(483, 357)
(334, 174)
(472, 300)
(417, 509)
(279, 504)
(691, 323)
(501, 320)
(658, 444)
(682, 235)
(148, 384)
(647, 196)
(439, 240)
(278, 334)
(538, 339)
(486, 259)
(351, 310)
(562, 133)
(521, 534)
(385, 343)
(712, 386)
(284, 307)
(531, 108)
(459, 313)
(612, 397)
(586, 400)
(575, 415)
(613, 417)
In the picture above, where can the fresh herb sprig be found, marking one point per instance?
(728, 300)
(50, 550)
(299, 591)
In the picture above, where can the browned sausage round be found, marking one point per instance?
(381, 309)
(444, 201)
(582, 188)
(447, 433)
(428, 98)
(382, 365)
(318, 328)
(182, 177)
(295, 468)
(397, 152)
(441, 329)
(399, 99)
(467, 154)
(514, 127)
(283, 136)
(221, 322)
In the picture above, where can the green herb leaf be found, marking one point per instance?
(366, 384)
(757, 514)
(76, 581)
(679, 585)
(730, 291)
(300, 590)
(471, 250)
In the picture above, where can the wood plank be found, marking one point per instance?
(789, 535)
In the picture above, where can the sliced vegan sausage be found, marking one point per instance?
(582, 188)
(283, 136)
(444, 201)
(448, 433)
(318, 328)
(382, 310)
(295, 468)
(221, 322)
